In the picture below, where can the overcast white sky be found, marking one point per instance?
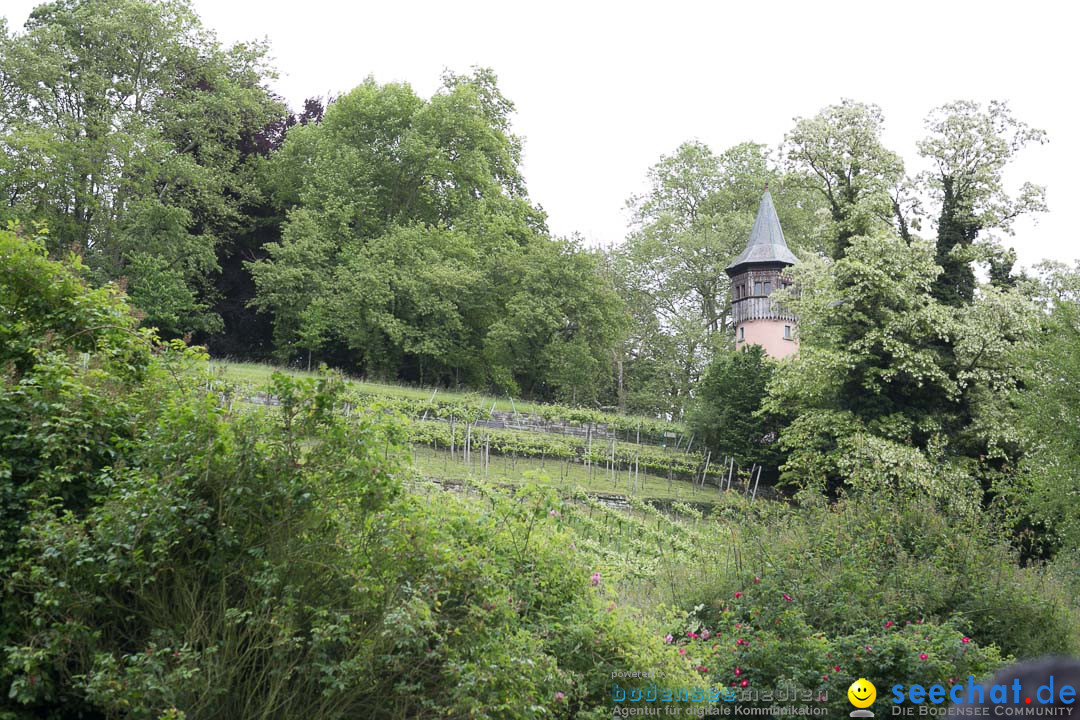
(604, 89)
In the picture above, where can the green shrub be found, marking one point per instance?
(762, 640)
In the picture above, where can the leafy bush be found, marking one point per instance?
(761, 639)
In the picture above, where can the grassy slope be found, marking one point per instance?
(438, 464)
(258, 374)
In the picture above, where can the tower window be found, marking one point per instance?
(757, 287)
(767, 288)
(742, 334)
(787, 332)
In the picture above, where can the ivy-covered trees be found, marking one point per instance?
(892, 386)
(969, 148)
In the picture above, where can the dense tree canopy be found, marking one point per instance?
(412, 249)
(127, 128)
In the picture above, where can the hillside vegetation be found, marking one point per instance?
(170, 553)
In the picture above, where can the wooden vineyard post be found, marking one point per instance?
(588, 450)
(754, 496)
(451, 436)
(466, 455)
(614, 478)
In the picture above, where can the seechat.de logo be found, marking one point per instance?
(973, 693)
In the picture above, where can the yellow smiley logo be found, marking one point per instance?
(862, 693)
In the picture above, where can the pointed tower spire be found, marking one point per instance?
(766, 244)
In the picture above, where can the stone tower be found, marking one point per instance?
(754, 275)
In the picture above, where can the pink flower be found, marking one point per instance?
(668, 639)
(744, 683)
(705, 634)
(836, 668)
(682, 651)
(923, 656)
(692, 634)
(702, 669)
(787, 597)
(824, 677)
(757, 579)
(738, 671)
(738, 595)
(560, 696)
(965, 639)
(595, 579)
(889, 624)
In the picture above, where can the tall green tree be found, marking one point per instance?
(725, 414)
(127, 128)
(561, 323)
(890, 384)
(412, 251)
(1046, 414)
(970, 147)
(839, 155)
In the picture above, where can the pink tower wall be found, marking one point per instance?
(769, 334)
